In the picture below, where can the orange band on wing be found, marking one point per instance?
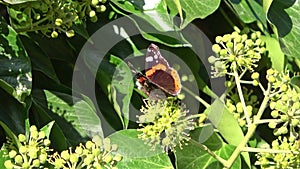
(154, 68)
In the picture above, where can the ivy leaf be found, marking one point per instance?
(15, 70)
(192, 156)
(121, 89)
(285, 17)
(136, 154)
(198, 9)
(276, 55)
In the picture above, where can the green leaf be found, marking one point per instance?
(13, 2)
(136, 154)
(75, 116)
(249, 11)
(47, 128)
(275, 54)
(212, 141)
(10, 134)
(223, 120)
(12, 113)
(192, 156)
(39, 58)
(286, 18)
(121, 89)
(295, 82)
(153, 21)
(198, 9)
(15, 70)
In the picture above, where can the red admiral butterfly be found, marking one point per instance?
(158, 74)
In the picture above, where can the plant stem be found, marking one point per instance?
(251, 129)
(263, 150)
(203, 147)
(241, 96)
(196, 97)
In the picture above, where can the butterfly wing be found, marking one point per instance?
(153, 57)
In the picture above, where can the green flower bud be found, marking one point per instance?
(212, 59)
(18, 159)
(94, 19)
(229, 45)
(270, 72)
(231, 58)
(22, 138)
(70, 33)
(283, 130)
(43, 157)
(22, 149)
(47, 142)
(274, 113)
(108, 158)
(295, 122)
(271, 79)
(65, 155)
(239, 46)
(185, 78)
(218, 39)
(253, 36)
(272, 125)
(8, 164)
(102, 8)
(34, 134)
(78, 150)
(255, 75)
(255, 82)
(89, 144)
(32, 152)
(12, 153)
(95, 2)
(74, 158)
(54, 34)
(239, 107)
(244, 37)
(58, 22)
(284, 118)
(283, 87)
(33, 128)
(258, 34)
(216, 48)
(223, 52)
(92, 13)
(88, 160)
(272, 105)
(226, 38)
(59, 163)
(36, 163)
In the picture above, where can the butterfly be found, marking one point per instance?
(158, 75)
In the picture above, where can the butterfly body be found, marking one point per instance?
(158, 74)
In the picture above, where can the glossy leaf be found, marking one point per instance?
(198, 9)
(78, 114)
(121, 89)
(249, 11)
(14, 2)
(15, 70)
(136, 154)
(192, 156)
(275, 54)
(153, 21)
(286, 18)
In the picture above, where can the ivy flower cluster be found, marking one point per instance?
(283, 155)
(31, 153)
(284, 103)
(235, 106)
(165, 123)
(53, 17)
(97, 153)
(236, 52)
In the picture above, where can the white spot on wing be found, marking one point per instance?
(149, 59)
